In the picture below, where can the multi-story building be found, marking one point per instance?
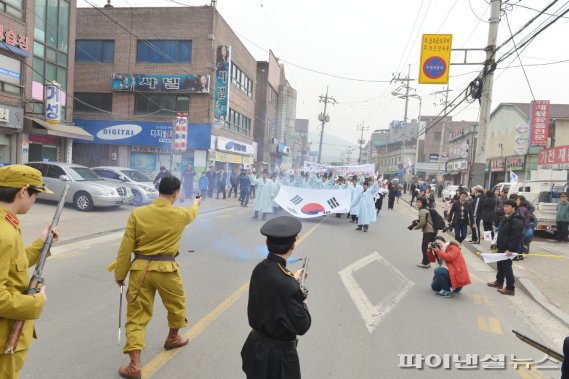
(461, 150)
(275, 115)
(36, 47)
(133, 78)
(508, 136)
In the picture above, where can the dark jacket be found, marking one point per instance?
(244, 183)
(489, 209)
(277, 312)
(477, 206)
(455, 213)
(511, 233)
(211, 177)
(221, 180)
(234, 179)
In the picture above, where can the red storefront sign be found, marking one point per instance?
(539, 122)
(554, 157)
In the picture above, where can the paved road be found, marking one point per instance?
(368, 300)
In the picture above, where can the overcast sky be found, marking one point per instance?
(371, 40)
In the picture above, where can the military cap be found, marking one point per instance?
(281, 230)
(20, 176)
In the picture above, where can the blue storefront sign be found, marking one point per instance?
(143, 133)
(221, 96)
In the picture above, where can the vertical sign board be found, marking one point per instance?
(539, 116)
(222, 66)
(435, 58)
(181, 132)
(52, 104)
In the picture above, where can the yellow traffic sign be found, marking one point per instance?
(435, 58)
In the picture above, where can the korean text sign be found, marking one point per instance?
(160, 83)
(52, 104)
(554, 158)
(435, 58)
(539, 122)
(222, 66)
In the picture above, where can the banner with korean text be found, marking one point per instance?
(368, 169)
(222, 67)
(554, 158)
(160, 83)
(309, 202)
(539, 116)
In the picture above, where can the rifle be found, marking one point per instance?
(36, 279)
(303, 277)
(540, 347)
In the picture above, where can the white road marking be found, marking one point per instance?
(373, 314)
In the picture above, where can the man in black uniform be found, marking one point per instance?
(277, 309)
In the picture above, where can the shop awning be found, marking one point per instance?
(59, 130)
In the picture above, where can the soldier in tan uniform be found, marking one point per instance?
(19, 186)
(153, 234)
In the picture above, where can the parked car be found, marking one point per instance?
(140, 184)
(86, 188)
(449, 191)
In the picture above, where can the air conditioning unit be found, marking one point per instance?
(274, 141)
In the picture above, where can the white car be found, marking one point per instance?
(449, 191)
(140, 184)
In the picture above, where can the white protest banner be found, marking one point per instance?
(309, 202)
(496, 257)
(368, 169)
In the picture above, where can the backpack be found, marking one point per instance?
(438, 221)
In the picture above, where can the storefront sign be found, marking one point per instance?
(52, 103)
(143, 133)
(497, 165)
(511, 163)
(218, 156)
(554, 158)
(539, 116)
(17, 43)
(10, 69)
(221, 97)
(160, 83)
(11, 117)
(233, 146)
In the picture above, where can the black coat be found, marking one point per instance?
(511, 233)
(477, 211)
(489, 209)
(455, 210)
(277, 311)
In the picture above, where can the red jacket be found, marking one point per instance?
(456, 265)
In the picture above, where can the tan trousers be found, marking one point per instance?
(11, 364)
(170, 287)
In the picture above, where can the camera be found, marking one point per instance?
(448, 228)
(413, 225)
(434, 245)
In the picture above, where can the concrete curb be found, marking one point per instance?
(523, 283)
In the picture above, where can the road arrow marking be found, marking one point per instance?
(373, 314)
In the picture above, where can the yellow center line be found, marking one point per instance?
(165, 356)
(482, 323)
(495, 326)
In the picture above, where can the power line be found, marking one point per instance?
(474, 13)
(518, 55)
(535, 10)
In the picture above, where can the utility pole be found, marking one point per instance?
(441, 145)
(479, 165)
(324, 118)
(405, 84)
(361, 128)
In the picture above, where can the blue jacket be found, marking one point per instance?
(203, 183)
(244, 183)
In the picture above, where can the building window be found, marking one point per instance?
(13, 7)
(10, 75)
(241, 81)
(238, 123)
(164, 51)
(161, 105)
(51, 35)
(94, 51)
(272, 94)
(93, 102)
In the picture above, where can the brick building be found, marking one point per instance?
(36, 34)
(131, 85)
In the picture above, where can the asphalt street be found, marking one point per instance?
(371, 307)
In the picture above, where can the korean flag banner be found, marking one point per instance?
(309, 202)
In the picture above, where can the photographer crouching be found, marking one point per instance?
(452, 271)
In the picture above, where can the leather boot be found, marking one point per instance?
(175, 340)
(132, 370)
(495, 284)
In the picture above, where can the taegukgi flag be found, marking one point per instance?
(310, 202)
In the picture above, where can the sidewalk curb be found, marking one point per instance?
(524, 284)
(101, 233)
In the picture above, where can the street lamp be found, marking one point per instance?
(418, 97)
